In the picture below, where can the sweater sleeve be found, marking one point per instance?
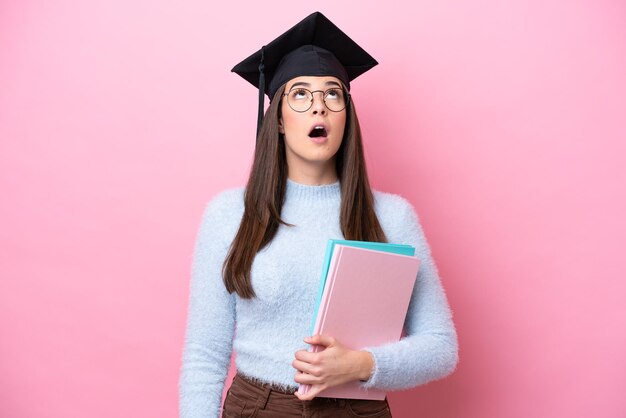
(210, 321)
(429, 351)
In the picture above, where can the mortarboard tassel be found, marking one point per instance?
(261, 92)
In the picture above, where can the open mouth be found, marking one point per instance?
(318, 131)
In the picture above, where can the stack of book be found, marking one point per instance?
(364, 295)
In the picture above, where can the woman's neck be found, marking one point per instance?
(313, 178)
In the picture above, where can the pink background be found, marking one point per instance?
(502, 122)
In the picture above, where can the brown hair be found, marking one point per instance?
(265, 193)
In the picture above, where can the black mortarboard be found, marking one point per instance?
(313, 47)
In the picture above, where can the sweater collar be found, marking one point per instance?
(308, 192)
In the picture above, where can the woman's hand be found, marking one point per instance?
(332, 366)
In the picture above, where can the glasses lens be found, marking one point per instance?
(300, 99)
(335, 99)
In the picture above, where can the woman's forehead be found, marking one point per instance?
(314, 81)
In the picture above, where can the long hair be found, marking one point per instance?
(265, 193)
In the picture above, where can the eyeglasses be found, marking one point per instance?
(301, 99)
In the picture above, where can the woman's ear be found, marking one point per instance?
(281, 128)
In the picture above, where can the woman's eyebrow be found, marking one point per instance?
(300, 83)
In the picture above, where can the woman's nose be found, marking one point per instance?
(318, 103)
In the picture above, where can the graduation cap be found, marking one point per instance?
(313, 47)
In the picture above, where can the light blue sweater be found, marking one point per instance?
(285, 276)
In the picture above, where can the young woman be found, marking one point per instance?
(259, 251)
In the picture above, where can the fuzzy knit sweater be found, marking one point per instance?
(285, 276)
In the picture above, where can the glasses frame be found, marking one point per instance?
(324, 94)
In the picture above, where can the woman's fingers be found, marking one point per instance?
(306, 367)
(312, 393)
(307, 356)
(306, 379)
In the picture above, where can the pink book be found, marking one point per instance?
(364, 303)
